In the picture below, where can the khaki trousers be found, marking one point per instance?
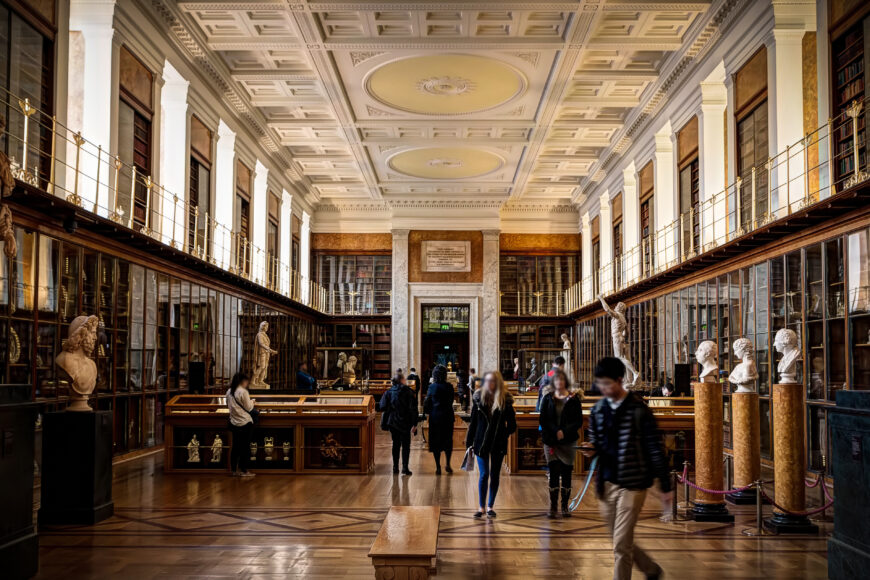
(620, 508)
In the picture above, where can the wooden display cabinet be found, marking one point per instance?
(308, 434)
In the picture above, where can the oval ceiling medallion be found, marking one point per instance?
(445, 84)
(445, 162)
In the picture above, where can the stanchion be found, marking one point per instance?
(686, 505)
(823, 499)
(674, 502)
(758, 530)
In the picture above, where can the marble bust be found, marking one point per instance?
(744, 374)
(786, 343)
(262, 352)
(76, 360)
(708, 357)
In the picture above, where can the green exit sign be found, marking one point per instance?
(445, 327)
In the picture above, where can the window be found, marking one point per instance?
(690, 218)
(134, 135)
(752, 140)
(199, 196)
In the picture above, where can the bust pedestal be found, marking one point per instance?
(708, 454)
(789, 461)
(76, 468)
(746, 442)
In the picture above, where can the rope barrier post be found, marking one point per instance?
(758, 530)
(823, 500)
(686, 504)
(674, 502)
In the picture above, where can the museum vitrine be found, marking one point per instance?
(294, 434)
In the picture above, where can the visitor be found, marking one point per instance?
(544, 382)
(461, 376)
(418, 386)
(666, 390)
(439, 407)
(561, 420)
(304, 381)
(401, 410)
(465, 394)
(624, 435)
(492, 421)
(240, 407)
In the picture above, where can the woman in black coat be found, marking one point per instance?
(493, 420)
(439, 407)
(561, 420)
(400, 409)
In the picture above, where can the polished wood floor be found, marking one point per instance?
(272, 526)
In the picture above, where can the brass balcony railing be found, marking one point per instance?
(50, 156)
(803, 175)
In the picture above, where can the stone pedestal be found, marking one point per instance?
(746, 441)
(789, 461)
(849, 545)
(708, 454)
(19, 544)
(76, 468)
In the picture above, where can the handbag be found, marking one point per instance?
(468, 460)
(255, 415)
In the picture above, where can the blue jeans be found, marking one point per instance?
(490, 469)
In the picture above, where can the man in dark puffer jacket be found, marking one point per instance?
(624, 435)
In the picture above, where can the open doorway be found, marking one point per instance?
(445, 338)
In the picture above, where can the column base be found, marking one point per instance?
(746, 497)
(711, 512)
(789, 524)
(20, 557)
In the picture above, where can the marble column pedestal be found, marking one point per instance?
(708, 454)
(789, 461)
(746, 442)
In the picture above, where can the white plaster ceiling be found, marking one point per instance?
(499, 99)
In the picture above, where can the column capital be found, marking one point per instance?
(664, 139)
(400, 234)
(586, 221)
(629, 175)
(604, 200)
(91, 15)
(491, 235)
(795, 14)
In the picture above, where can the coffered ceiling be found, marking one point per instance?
(499, 100)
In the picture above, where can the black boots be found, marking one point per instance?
(554, 502)
(566, 498)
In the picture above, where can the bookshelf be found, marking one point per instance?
(849, 58)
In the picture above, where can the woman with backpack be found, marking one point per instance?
(399, 408)
(492, 421)
(561, 420)
(242, 413)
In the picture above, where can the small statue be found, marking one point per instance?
(217, 447)
(285, 447)
(619, 334)
(533, 373)
(708, 357)
(744, 374)
(340, 364)
(76, 362)
(786, 342)
(7, 232)
(262, 353)
(331, 451)
(516, 368)
(269, 447)
(193, 450)
(566, 354)
(7, 180)
(682, 351)
(253, 450)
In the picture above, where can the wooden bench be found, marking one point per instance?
(406, 542)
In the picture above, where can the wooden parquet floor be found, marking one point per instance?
(272, 526)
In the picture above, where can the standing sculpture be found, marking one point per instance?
(786, 343)
(619, 334)
(76, 360)
(193, 450)
(7, 232)
(516, 368)
(744, 374)
(348, 375)
(566, 354)
(707, 356)
(262, 352)
(533, 373)
(217, 447)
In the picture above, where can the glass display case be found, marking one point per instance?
(294, 434)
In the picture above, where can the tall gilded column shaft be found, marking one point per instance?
(789, 461)
(709, 442)
(746, 442)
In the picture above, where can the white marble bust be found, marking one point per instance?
(786, 343)
(744, 374)
(708, 357)
(76, 360)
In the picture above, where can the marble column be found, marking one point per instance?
(489, 321)
(586, 259)
(714, 100)
(789, 461)
(630, 226)
(746, 438)
(605, 239)
(286, 235)
(400, 326)
(225, 176)
(709, 440)
(305, 256)
(259, 222)
(665, 240)
(174, 153)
